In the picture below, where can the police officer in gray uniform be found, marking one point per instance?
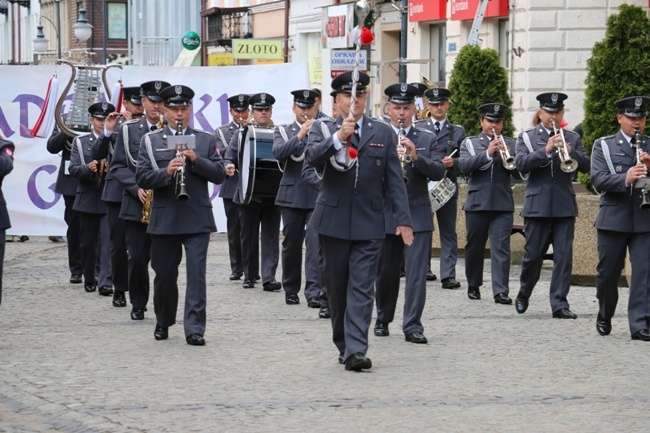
(296, 199)
(550, 207)
(7, 149)
(619, 171)
(93, 221)
(449, 137)
(123, 167)
(181, 213)
(239, 110)
(489, 206)
(420, 162)
(360, 171)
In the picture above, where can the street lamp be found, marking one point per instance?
(82, 30)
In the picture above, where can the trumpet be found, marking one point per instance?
(507, 159)
(404, 158)
(645, 191)
(181, 193)
(568, 164)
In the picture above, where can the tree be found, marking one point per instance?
(619, 67)
(477, 79)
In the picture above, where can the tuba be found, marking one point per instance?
(181, 193)
(507, 159)
(645, 190)
(568, 164)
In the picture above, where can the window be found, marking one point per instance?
(116, 20)
(504, 43)
(438, 53)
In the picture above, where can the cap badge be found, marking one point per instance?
(104, 106)
(178, 90)
(554, 98)
(263, 97)
(305, 94)
(638, 102)
(240, 98)
(435, 92)
(158, 86)
(497, 107)
(403, 87)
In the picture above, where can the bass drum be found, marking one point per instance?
(440, 192)
(259, 171)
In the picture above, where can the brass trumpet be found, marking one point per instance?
(507, 159)
(568, 164)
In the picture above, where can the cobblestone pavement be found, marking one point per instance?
(71, 362)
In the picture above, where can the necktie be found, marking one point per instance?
(356, 133)
(152, 128)
(633, 141)
(436, 126)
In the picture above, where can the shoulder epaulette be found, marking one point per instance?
(425, 130)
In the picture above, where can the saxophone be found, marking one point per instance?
(146, 206)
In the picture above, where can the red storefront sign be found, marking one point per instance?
(466, 9)
(427, 10)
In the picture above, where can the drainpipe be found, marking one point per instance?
(287, 6)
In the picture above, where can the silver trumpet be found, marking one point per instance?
(404, 158)
(507, 159)
(181, 193)
(568, 164)
(645, 190)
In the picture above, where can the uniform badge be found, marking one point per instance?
(241, 98)
(497, 107)
(638, 102)
(179, 90)
(158, 86)
(104, 106)
(263, 97)
(619, 169)
(435, 92)
(305, 94)
(554, 98)
(403, 88)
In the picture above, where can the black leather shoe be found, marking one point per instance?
(137, 314)
(236, 276)
(248, 284)
(564, 313)
(105, 291)
(195, 340)
(160, 333)
(291, 299)
(76, 279)
(450, 283)
(90, 287)
(604, 327)
(416, 337)
(324, 313)
(271, 286)
(502, 298)
(431, 276)
(473, 293)
(119, 299)
(357, 362)
(521, 303)
(258, 278)
(313, 303)
(381, 329)
(641, 334)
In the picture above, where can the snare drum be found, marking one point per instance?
(440, 192)
(259, 172)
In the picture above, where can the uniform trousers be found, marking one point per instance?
(349, 272)
(540, 233)
(119, 260)
(233, 226)
(138, 243)
(166, 255)
(498, 226)
(294, 232)
(446, 218)
(72, 234)
(611, 259)
(3, 239)
(388, 279)
(94, 235)
(252, 216)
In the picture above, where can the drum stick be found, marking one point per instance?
(453, 153)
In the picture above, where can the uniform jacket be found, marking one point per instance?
(350, 204)
(170, 216)
(447, 143)
(620, 205)
(224, 134)
(90, 188)
(549, 191)
(427, 167)
(61, 142)
(488, 188)
(290, 152)
(7, 149)
(103, 148)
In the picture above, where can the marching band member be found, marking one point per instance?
(7, 149)
(360, 171)
(420, 158)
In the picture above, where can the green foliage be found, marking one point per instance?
(477, 79)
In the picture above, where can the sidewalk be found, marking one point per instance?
(73, 363)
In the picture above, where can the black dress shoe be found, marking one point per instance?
(604, 327)
(236, 276)
(248, 284)
(381, 329)
(450, 283)
(90, 287)
(564, 313)
(119, 299)
(160, 333)
(473, 293)
(431, 276)
(271, 286)
(76, 279)
(137, 314)
(313, 303)
(324, 313)
(357, 362)
(292, 299)
(195, 340)
(258, 278)
(521, 303)
(502, 298)
(105, 291)
(416, 337)
(641, 334)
